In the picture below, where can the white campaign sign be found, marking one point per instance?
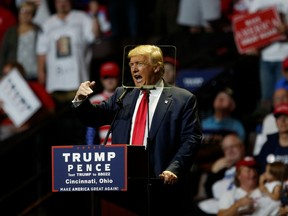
(19, 101)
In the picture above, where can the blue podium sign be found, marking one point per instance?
(89, 168)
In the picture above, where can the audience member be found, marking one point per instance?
(268, 125)
(221, 176)
(233, 149)
(42, 12)
(19, 42)
(221, 121)
(270, 182)
(109, 77)
(7, 128)
(276, 146)
(215, 127)
(170, 66)
(61, 48)
(272, 55)
(246, 198)
(103, 47)
(100, 16)
(196, 14)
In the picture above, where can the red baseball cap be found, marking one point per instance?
(109, 69)
(247, 161)
(171, 60)
(281, 109)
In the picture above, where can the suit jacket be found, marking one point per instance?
(175, 133)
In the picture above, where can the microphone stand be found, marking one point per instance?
(147, 89)
(111, 125)
(120, 104)
(98, 200)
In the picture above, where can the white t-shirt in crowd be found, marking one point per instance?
(264, 205)
(65, 43)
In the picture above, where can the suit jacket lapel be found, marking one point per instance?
(161, 109)
(134, 96)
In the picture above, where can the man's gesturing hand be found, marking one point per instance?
(84, 90)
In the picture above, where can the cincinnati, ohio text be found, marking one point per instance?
(89, 181)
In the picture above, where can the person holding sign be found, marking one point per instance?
(8, 121)
(172, 133)
(273, 53)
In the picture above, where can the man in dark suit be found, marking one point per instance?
(174, 134)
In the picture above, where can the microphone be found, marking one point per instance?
(120, 98)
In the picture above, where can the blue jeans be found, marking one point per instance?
(270, 73)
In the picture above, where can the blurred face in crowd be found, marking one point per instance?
(109, 83)
(169, 74)
(233, 148)
(223, 102)
(282, 123)
(280, 96)
(26, 13)
(63, 6)
(93, 6)
(248, 177)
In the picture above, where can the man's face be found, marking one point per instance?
(142, 71)
(232, 149)
(223, 102)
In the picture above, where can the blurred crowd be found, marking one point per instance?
(56, 45)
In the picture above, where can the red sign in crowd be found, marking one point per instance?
(256, 30)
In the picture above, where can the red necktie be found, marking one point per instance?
(140, 121)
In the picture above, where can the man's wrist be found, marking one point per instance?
(76, 102)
